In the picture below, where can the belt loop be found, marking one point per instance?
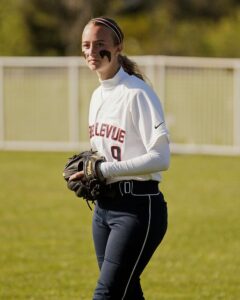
(127, 187)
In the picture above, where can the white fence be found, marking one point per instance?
(44, 102)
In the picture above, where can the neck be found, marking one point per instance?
(104, 75)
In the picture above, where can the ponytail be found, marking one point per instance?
(130, 66)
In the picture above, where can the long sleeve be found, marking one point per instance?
(157, 159)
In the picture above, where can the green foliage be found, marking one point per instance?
(46, 249)
(13, 32)
(162, 33)
(186, 28)
(55, 27)
(203, 9)
(224, 40)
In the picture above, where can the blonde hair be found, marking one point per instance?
(127, 64)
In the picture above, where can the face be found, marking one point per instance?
(99, 50)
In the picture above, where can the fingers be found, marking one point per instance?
(77, 176)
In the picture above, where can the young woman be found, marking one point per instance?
(126, 125)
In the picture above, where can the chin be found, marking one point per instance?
(93, 68)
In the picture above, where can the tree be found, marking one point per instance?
(204, 9)
(13, 32)
(55, 26)
(186, 27)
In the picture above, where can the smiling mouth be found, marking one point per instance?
(93, 61)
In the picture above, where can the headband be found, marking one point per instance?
(110, 25)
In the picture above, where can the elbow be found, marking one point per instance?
(160, 164)
(164, 161)
(162, 152)
(165, 164)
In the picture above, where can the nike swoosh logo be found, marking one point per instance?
(156, 126)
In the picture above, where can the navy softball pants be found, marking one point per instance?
(127, 229)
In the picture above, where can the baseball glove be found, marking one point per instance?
(93, 182)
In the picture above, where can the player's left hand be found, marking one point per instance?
(83, 175)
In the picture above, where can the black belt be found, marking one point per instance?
(132, 187)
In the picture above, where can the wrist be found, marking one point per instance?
(105, 168)
(99, 172)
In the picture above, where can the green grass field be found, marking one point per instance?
(46, 250)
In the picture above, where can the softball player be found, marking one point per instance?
(127, 126)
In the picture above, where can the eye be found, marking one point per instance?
(100, 44)
(85, 46)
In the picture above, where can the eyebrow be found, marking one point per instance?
(94, 41)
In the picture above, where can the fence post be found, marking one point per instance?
(2, 127)
(150, 62)
(236, 105)
(73, 83)
(162, 71)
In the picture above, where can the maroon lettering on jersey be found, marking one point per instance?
(96, 130)
(91, 131)
(121, 135)
(115, 133)
(103, 129)
(107, 130)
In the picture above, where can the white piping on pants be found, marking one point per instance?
(144, 243)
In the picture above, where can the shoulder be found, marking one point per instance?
(133, 82)
(140, 91)
(96, 92)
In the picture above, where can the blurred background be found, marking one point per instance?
(153, 27)
(188, 49)
(190, 53)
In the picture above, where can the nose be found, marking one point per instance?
(91, 50)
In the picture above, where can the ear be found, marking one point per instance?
(120, 48)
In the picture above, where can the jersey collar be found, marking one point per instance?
(114, 81)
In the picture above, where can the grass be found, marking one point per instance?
(46, 250)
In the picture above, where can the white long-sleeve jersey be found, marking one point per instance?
(127, 126)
